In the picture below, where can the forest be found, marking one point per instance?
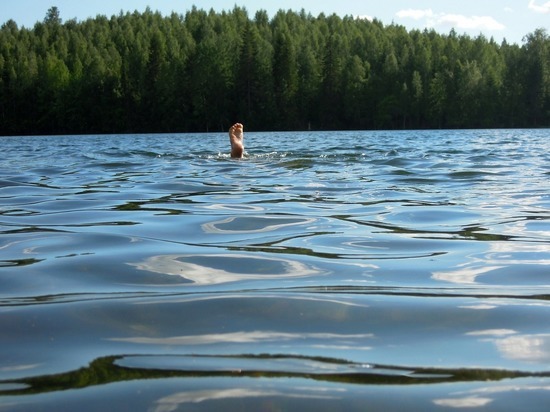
(143, 72)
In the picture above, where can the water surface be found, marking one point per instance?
(325, 270)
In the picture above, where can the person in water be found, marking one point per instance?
(236, 138)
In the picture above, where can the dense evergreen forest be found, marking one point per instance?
(144, 72)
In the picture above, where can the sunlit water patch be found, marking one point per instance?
(324, 270)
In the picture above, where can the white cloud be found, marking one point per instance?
(468, 22)
(458, 21)
(544, 8)
(365, 17)
(414, 14)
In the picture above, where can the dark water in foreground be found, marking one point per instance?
(327, 271)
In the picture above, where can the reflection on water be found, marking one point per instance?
(251, 337)
(465, 275)
(513, 345)
(482, 397)
(172, 402)
(221, 268)
(390, 269)
(497, 260)
(529, 348)
(252, 224)
(465, 402)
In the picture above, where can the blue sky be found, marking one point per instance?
(510, 19)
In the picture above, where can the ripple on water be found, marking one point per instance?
(254, 224)
(357, 268)
(222, 268)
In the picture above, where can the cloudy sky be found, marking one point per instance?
(509, 19)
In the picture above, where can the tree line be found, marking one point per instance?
(201, 71)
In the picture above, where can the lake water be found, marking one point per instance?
(325, 271)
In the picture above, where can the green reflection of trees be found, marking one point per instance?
(19, 262)
(469, 232)
(143, 206)
(105, 371)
